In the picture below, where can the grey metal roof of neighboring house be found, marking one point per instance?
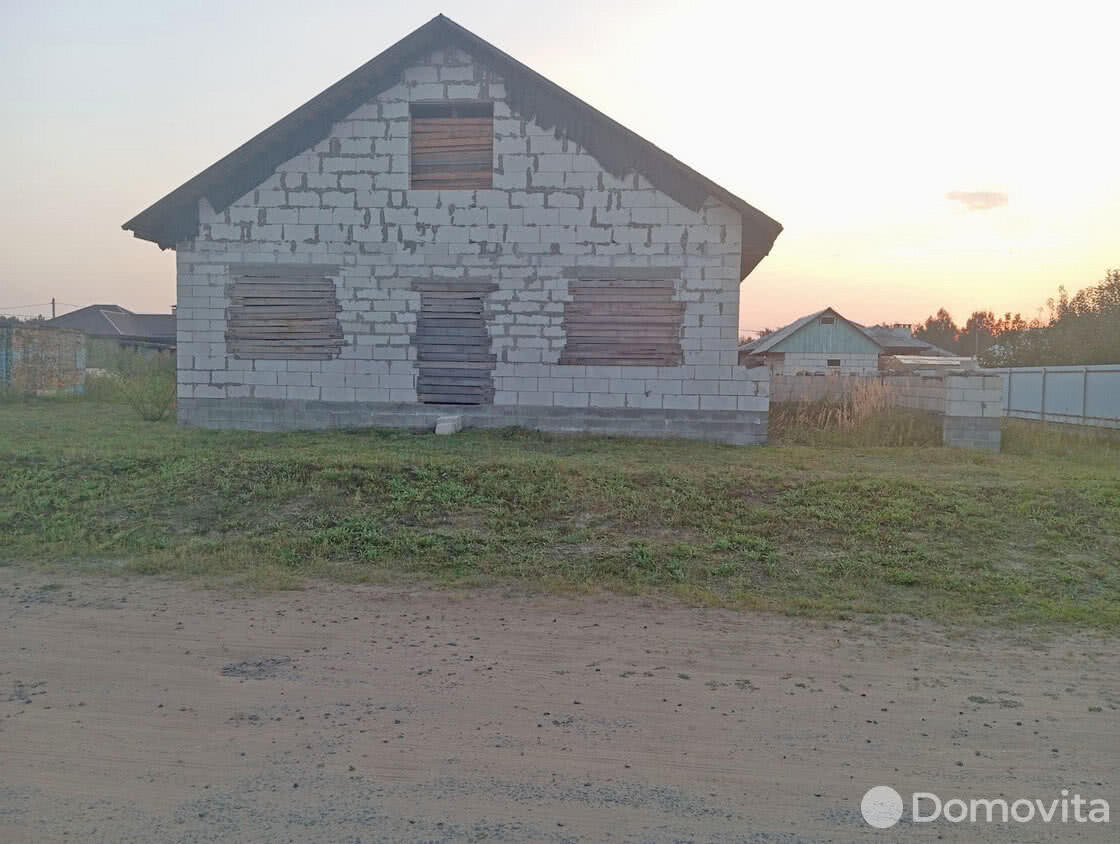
(115, 321)
(619, 150)
(89, 319)
(888, 338)
(156, 326)
(764, 344)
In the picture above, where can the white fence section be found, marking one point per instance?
(1075, 395)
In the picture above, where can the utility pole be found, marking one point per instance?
(52, 307)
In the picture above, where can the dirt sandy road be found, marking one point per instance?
(142, 710)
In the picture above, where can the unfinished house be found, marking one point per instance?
(446, 231)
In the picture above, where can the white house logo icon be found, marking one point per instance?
(881, 807)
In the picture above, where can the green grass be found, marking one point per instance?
(1028, 537)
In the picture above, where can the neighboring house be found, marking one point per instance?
(445, 230)
(129, 330)
(826, 343)
(820, 343)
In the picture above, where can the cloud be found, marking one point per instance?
(978, 200)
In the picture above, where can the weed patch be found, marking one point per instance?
(1028, 537)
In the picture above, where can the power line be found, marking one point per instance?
(12, 308)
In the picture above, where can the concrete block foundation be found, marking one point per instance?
(978, 432)
(735, 427)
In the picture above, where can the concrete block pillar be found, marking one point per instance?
(973, 411)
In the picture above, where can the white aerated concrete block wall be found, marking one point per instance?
(918, 392)
(852, 363)
(974, 395)
(347, 202)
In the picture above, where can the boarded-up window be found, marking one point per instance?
(283, 312)
(452, 145)
(452, 343)
(622, 322)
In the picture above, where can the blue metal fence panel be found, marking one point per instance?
(1076, 395)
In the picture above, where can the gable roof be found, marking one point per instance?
(619, 150)
(765, 344)
(118, 322)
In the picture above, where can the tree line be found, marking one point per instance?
(1079, 329)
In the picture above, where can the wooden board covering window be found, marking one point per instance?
(622, 322)
(283, 312)
(451, 146)
(453, 344)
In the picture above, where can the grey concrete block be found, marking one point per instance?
(449, 425)
(975, 432)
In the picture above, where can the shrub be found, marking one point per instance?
(144, 380)
(151, 394)
(102, 386)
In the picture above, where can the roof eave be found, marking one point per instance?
(174, 218)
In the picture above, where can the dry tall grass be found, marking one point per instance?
(867, 414)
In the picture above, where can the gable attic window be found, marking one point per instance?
(451, 145)
(827, 320)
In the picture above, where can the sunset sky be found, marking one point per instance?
(964, 155)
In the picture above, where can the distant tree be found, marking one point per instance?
(16, 320)
(1082, 329)
(939, 330)
(1017, 342)
(1008, 324)
(978, 333)
(1086, 328)
(756, 335)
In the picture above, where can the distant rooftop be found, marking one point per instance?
(119, 323)
(892, 339)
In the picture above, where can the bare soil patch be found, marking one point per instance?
(147, 710)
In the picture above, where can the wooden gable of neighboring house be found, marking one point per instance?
(820, 343)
